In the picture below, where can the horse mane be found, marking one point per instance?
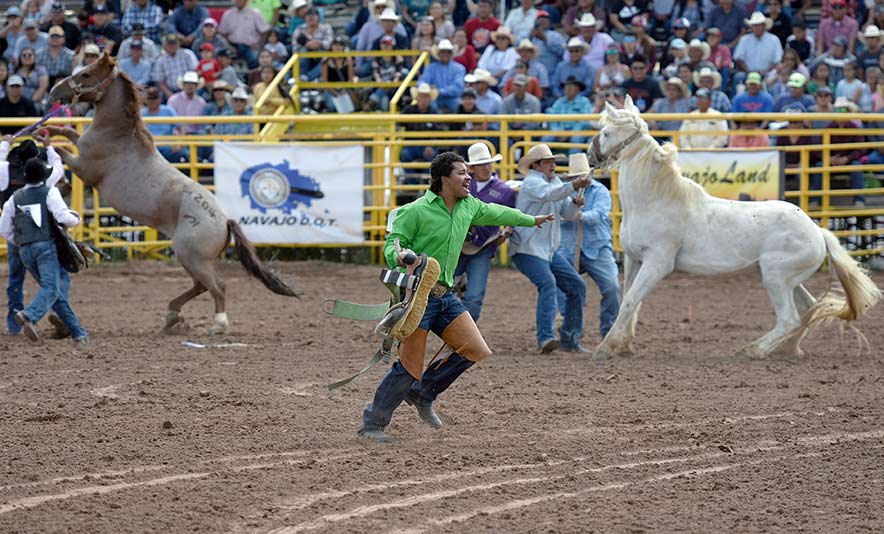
(657, 165)
(132, 110)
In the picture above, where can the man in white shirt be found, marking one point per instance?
(520, 20)
(758, 51)
(711, 123)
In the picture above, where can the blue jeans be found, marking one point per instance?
(857, 180)
(15, 293)
(477, 267)
(397, 384)
(41, 260)
(181, 155)
(579, 139)
(604, 272)
(549, 277)
(245, 52)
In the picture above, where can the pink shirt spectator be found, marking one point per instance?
(720, 56)
(749, 141)
(243, 26)
(826, 8)
(185, 106)
(830, 28)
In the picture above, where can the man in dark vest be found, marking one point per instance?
(27, 221)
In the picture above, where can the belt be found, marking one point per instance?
(439, 290)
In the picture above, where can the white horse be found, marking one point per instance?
(671, 224)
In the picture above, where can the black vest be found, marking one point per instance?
(16, 170)
(25, 230)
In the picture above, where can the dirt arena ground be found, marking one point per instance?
(139, 433)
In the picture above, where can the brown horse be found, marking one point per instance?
(117, 156)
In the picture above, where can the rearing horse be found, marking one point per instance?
(671, 224)
(117, 156)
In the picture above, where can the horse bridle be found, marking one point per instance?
(78, 89)
(597, 159)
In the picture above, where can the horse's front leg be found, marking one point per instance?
(630, 269)
(651, 271)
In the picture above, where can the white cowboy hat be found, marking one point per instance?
(502, 31)
(685, 92)
(478, 154)
(480, 75)
(444, 45)
(388, 14)
(578, 164)
(296, 5)
(843, 102)
(696, 43)
(424, 88)
(576, 42)
(191, 76)
(240, 93)
(535, 154)
(587, 20)
(706, 72)
(526, 44)
(871, 31)
(758, 18)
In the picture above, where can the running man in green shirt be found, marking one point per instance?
(436, 225)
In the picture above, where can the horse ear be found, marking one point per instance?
(629, 105)
(609, 108)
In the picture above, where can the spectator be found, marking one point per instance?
(576, 12)
(520, 20)
(797, 84)
(171, 65)
(389, 22)
(535, 252)
(754, 99)
(275, 97)
(681, 29)
(112, 6)
(698, 55)
(827, 8)
(849, 87)
(312, 36)
(572, 67)
(90, 53)
(479, 28)
(276, 48)
(425, 37)
(824, 98)
(800, 42)
(442, 22)
(269, 9)
(487, 101)
(187, 103)
(693, 13)
(239, 106)
(11, 31)
(781, 25)
(613, 72)
(821, 77)
(58, 60)
(549, 45)
(836, 57)
(422, 97)
(32, 38)
(339, 70)
(467, 107)
(872, 91)
(744, 139)
(187, 21)
(536, 69)
(533, 83)
(710, 80)
(847, 156)
(4, 76)
(14, 104)
(757, 51)
(244, 28)
(622, 14)
(687, 76)
(35, 77)
(790, 63)
(464, 53)
(446, 76)
(107, 36)
(149, 15)
(776, 82)
(413, 11)
(208, 67)
(643, 90)
(209, 34)
(56, 18)
(728, 18)
(155, 108)
(228, 72)
(720, 55)
(219, 104)
(499, 59)
(389, 69)
(871, 55)
(521, 102)
(137, 67)
(149, 48)
(840, 24)
(711, 124)
(298, 9)
(374, 29)
(675, 56)
(598, 41)
(573, 103)
(677, 100)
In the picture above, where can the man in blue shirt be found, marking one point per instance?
(571, 104)
(575, 68)
(187, 21)
(447, 77)
(135, 65)
(797, 84)
(549, 44)
(754, 99)
(173, 154)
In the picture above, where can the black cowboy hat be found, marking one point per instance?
(36, 171)
(22, 152)
(575, 81)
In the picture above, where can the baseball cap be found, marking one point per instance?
(839, 2)
(137, 27)
(703, 92)
(840, 40)
(678, 44)
(469, 93)
(795, 107)
(136, 44)
(30, 23)
(101, 9)
(207, 46)
(223, 53)
(797, 80)
(15, 79)
(92, 49)
(713, 30)
(542, 13)
(520, 79)
(209, 21)
(753, 78)
(681, 22)
(152, 93)
(57, 7)
(56, 30)
(388, 39)
(13, 12)
(823, 90)
(170, 38)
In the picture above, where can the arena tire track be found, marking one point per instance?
(326, 521)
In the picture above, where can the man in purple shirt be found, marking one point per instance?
(838, 24)
(482, 241)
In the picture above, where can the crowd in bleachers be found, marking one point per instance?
(553, 56)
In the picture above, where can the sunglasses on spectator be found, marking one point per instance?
(637, 67)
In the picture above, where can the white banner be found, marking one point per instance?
(292, 194)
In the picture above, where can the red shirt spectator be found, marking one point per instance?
(479, 28)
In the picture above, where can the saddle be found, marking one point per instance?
(397, 319)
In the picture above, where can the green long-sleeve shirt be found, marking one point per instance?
(427, 227)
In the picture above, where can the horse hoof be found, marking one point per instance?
(601, 355)
(174, 323)
(217, 329)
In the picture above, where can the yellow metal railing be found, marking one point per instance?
(385, 175)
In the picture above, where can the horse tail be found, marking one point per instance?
(249, 259)
(860, 292)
